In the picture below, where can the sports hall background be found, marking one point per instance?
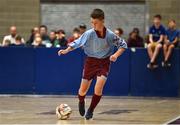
(124, 13)
(127, 14)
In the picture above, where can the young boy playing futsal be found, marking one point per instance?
(98, 44)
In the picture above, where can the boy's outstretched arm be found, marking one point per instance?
(65, 51)
(74, 45)
(121, 45)
(118, 53)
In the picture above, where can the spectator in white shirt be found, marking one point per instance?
(11, 37)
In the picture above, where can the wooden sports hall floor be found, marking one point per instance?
(33, 109)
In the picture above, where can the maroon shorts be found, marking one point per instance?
(94, 67)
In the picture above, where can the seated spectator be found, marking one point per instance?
(82, 28)
(6, 43)
(119, 32)
(43, 30)
(179, 39)
(156, 36)
(53, 38)
(33, 32)
(37, 35)
(76, 34)
(170, 42)
(135, 40)
(11, 37)
(38, 42)
(62, 39)
(18, 42)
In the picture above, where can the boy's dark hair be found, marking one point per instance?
(158, 16)
(7, 41)
(43, 26)
(97, 14)
(136, 30)
(120, 30)
(172, 20)
(18, 37)
(76, 30)
(53, 31)
(61, 31)
(82, 26)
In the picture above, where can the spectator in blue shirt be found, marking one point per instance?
(170, 42)
(156, 37)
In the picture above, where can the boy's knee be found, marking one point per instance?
(100, 85)
(164, 46)
(149, 45)
(82, 92)
(98, 92)
(159, 46)
(84, 87)
(171, 46)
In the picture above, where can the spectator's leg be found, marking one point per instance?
(170, 49)
(150, 50)
(156, 52)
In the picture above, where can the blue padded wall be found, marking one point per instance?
(159, 82)
(118, 82)
(57, 74)
(42, 71)
(16, 70)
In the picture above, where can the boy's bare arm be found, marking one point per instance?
(118, 53)
(65, 51)
(161, 39)
(175, 41)
(151, 38)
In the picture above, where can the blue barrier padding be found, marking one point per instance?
(16, 70)
(159, 82)
(42, 71)
(118, 82)
(57, 74)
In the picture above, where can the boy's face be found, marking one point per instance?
(133, 35)
(43, 31)
(52, 35)
(97, 24)
(38, 40)
(117, 32)
(76, 35)
(171, 24)
(157, 21)
(61, 35)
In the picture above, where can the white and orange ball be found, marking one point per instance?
(63, 111)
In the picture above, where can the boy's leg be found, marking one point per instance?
(150, 50)
(156, 52)
(101, 80)
(165, 48)
(170, 48)
(85, 84)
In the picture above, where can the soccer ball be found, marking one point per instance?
(63, 111)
